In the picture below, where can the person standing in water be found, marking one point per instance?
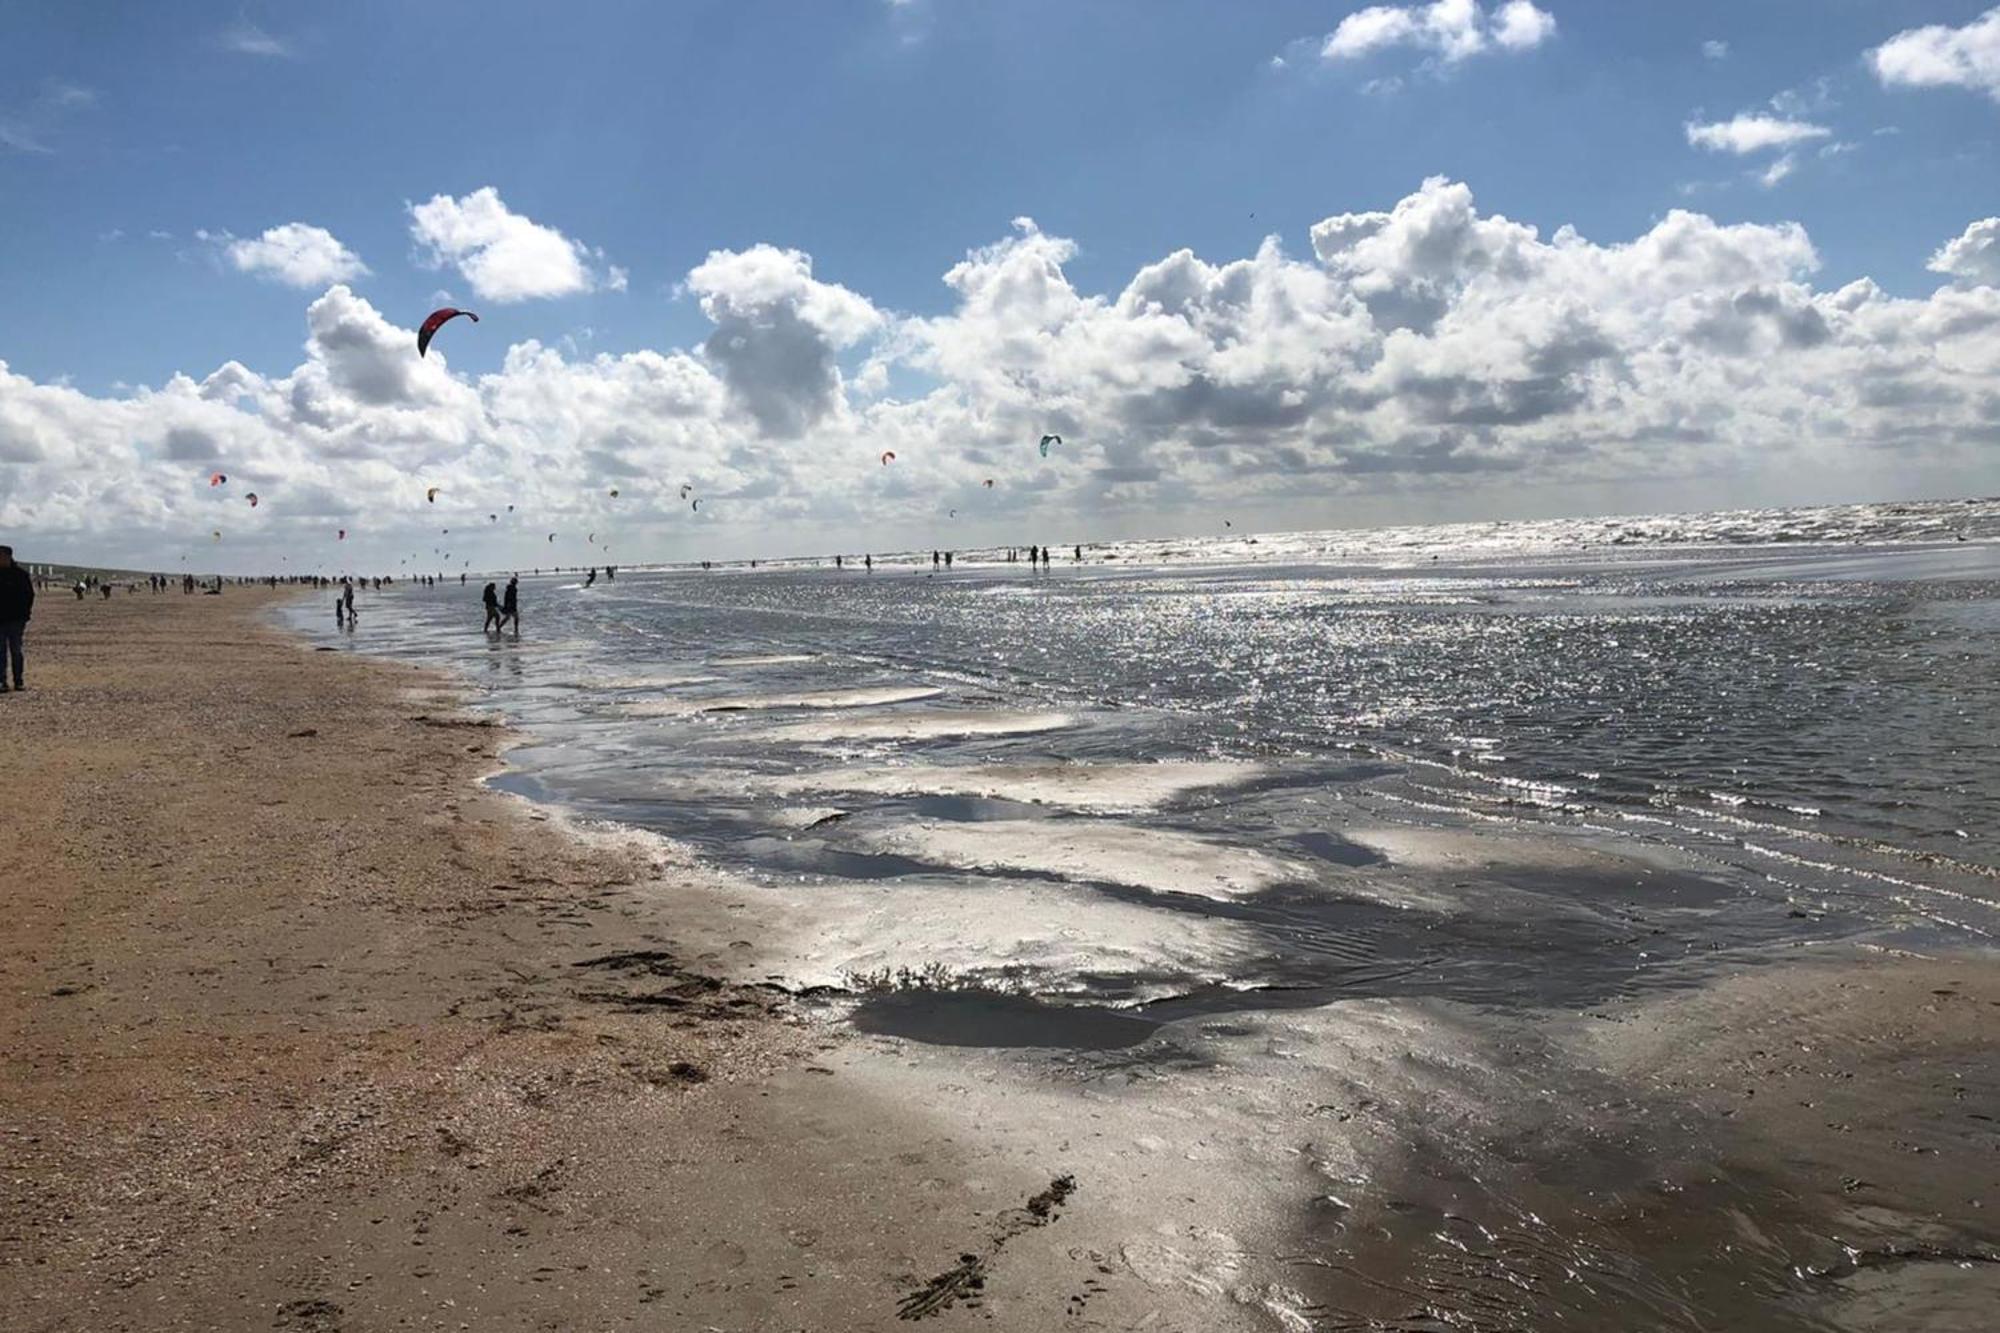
(491, 597)
(510, 605)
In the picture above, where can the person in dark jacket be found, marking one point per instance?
(17, 603)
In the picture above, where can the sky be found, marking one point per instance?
(1299, 265)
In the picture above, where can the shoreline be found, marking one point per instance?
(305, 1028)
(414, 1051)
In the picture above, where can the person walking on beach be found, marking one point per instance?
(17, 604)
(492, 599)
(510, 605)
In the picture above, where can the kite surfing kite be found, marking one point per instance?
(216, 479)
(888, 457)
(510, 509)
(687, 489)
(1048, 440)
(217, 534)
(695, 507)
(552, 536)
(343, 535)
(989, 483)
(614, 492)
(493, 518)
(252, 498)
(431, 495)
(435, 321)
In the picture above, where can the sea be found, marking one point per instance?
(1805, 703)
(1213, 819)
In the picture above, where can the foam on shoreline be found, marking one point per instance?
(1105, 788)
(931, 724)
(1157, 860)
(857, 698)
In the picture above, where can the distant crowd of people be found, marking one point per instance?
(503, 608)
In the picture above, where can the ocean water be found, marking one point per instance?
(1512, 765)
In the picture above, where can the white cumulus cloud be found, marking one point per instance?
(1972, 257)
(1451, 30)
(1939, 56)
(777, 332)
(1518, 25)
(1752, 132)
(503, 255)
(296, 254)
(1715, 50)
(1422, 348)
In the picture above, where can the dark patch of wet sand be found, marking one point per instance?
(1794, 1147)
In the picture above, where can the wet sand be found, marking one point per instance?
(301, 1028)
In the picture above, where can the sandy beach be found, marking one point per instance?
(303, 1028)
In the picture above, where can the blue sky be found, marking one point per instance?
(886, 141)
